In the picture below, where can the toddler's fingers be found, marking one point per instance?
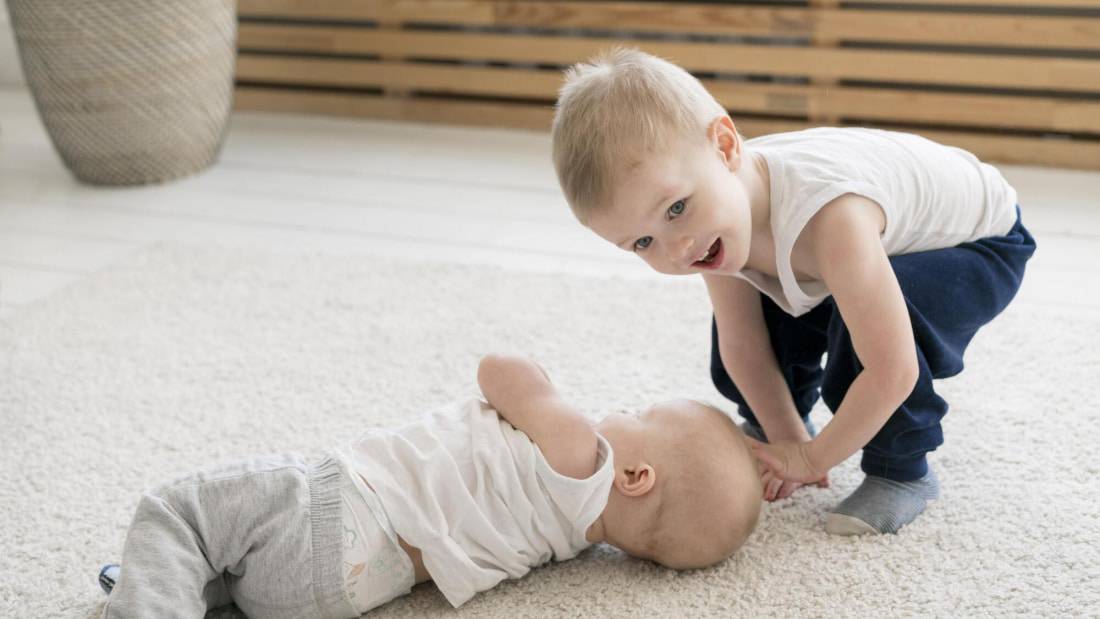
(765, 478)
(766, 482)
(764, 454)
(788, 489)
(773, 489)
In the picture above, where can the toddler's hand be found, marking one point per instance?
(776, 488)
(788, 461)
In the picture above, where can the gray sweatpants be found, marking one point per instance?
(264, 533)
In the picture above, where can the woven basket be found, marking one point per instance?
(131, 91)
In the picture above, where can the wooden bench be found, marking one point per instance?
(1012, 81)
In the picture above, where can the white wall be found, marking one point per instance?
(10, 72)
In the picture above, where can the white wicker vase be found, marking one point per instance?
(131, 91)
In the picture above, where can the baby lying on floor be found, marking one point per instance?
(467, 496)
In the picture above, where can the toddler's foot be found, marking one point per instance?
(108, 576)
(757, 433)
(881, 505)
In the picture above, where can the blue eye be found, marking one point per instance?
(642, 243)
(678, 207)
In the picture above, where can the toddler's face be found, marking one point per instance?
(682, 212)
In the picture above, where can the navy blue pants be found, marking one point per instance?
(950, 293)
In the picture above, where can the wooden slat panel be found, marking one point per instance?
(993, 111)
(1084, 154)
(488, 10)
(924, 27)
(1077, 154)
(435, 110)
(1040, 4)
(891, 66)
(477, 114)
(488, 81)
(470, 12)
(990, 30)
(751, 20)
(1043, 113)
(412, 90)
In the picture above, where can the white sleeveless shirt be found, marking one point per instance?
(933, 196)
(477, 496)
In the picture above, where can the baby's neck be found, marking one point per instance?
(613, 522)
(596, 533)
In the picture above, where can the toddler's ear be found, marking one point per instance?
(636, 481)
(723, 134)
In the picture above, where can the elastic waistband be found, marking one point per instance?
(326, 477)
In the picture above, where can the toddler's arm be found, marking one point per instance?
(747, 355)
(854, 265)
(748, 358)
(521, 392)
(857, 271)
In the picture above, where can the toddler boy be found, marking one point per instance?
(466, 496)
(884, 250)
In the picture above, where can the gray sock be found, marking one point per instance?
(757, 433)
(881, 505)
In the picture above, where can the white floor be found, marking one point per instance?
(301, 183)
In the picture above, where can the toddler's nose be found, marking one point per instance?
(684, 248)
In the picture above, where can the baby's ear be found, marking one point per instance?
(636, 481)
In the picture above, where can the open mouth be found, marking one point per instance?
(713, 257)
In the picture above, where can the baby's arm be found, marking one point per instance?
(521, 392)
(854, 265)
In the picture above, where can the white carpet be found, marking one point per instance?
(186, 356)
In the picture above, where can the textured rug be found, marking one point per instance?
(185, 356)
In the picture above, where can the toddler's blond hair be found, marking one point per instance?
(615, 108)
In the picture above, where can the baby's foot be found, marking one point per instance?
(108, 576)
(881, 505)
(757, 432)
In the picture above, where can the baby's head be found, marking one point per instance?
(686, 492)
(639, 143)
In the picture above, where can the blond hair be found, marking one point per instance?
(620, 105)
(710, 493)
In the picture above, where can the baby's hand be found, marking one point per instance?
(788, 461)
